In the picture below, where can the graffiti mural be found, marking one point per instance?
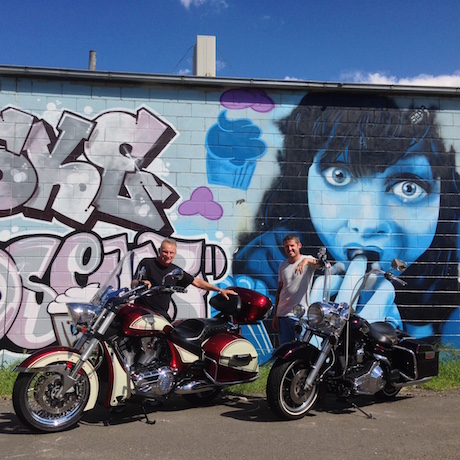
(82, 173)
(362, 175)
(95, 175)
(227, 174)
(233, 147)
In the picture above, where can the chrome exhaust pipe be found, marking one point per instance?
(196, 386)
(411, 382)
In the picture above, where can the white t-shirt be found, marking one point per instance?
(296, 287)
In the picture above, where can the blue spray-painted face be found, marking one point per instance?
(393, 214)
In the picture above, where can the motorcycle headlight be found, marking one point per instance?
(315, 314)
(82, 314)
(327, 317)
(298, 311)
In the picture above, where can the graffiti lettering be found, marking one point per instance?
(91, 171)
(32, 325)
(121, 145)
(30, 316)
(14, 127)
(10, 292)
(53, 165)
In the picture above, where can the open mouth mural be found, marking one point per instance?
(371, 255)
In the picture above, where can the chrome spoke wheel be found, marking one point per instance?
(36, 401)
(286, 392)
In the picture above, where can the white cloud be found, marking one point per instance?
(419, 80)
(187, 3)
(198, 3)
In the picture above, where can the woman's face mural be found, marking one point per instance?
(371, 181)
(386, 215)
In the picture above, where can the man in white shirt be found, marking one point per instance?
(295, 276)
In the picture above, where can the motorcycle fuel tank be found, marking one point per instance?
(231, 359)
(138, 321)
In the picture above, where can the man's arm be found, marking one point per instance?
(135, 283)
(202, 284)
(308, 260)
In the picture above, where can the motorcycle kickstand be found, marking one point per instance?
(367, 414)
(147, 420)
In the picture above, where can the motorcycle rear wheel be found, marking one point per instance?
(36, 404)
(388, 392)
(285, 393)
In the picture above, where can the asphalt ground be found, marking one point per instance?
(416, 425)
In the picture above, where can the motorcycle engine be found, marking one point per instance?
(369, 380)
(153, 381)
(148, 359)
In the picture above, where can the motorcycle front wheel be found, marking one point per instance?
(286, 395)
(36, 404)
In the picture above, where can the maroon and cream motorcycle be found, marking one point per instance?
(125, 351)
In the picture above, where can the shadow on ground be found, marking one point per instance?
(236, 406)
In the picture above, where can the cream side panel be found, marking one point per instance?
(150, 323)
(120, 390)
(186, 356)
(240, 347)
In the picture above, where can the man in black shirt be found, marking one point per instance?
(156, 269)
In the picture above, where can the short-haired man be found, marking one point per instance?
(295, 276)
(156, 268)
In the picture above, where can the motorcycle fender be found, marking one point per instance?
(296, 350)
(51, 355)
(118, 391)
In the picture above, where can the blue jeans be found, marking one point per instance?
(286, 329)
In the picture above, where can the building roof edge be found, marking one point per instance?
(165, 79)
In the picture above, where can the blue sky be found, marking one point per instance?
(373, 41)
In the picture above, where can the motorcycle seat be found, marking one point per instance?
(383, 333)
(191, 333)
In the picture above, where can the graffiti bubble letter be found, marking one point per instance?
(122, 144)
(18, 178)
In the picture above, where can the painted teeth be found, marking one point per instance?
(372, 256)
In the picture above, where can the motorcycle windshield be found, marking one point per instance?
(113, 280)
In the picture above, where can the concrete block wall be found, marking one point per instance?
(94, 167)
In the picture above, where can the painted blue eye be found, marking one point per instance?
(338, 177)
(408, 190)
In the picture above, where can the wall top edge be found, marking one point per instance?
(165, 79)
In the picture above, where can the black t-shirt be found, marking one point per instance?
(155, 272)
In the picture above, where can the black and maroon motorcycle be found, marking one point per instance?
(125, 351)
(342, 353)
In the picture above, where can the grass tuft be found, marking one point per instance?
(254, 388)
(7, 379)
(448, 377)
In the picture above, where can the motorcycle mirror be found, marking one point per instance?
(322, 257)
(399, 265)
(176, 274)
(141, 274)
